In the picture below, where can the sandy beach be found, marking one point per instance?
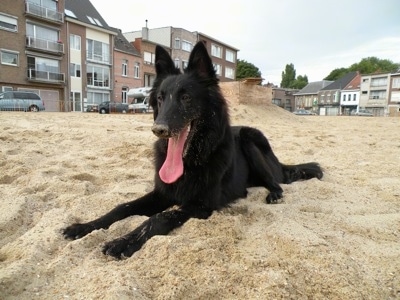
(335, 238)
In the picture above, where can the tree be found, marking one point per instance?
(290, 81)
(336, 74)
(369, 65)
(288, 76)
(300, 82)
(245, 69)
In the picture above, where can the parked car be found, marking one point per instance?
(107, 106)
(21, 101)
(303, 112)
(142, 107)
(361, 112)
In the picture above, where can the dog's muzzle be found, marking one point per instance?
(161, 130)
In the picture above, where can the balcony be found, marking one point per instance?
(45, 76)
(44, 45)
(99, 58)
(43, 12)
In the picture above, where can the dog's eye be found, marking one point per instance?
(160, 100)
(185, 98)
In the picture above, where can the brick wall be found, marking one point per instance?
(243, 93)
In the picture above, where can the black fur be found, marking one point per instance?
(220, 162)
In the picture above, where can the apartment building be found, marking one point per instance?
(180, 42)
(394, 95)
(33, 53)
(147, 50)
(223, 56)
(90, 56)
(375, 93)
(128, 70)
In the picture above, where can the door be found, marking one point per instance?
(76, 100)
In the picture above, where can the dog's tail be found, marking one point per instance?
(305, 171)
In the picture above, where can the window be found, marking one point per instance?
(216, 51)
(75, 70)
(276, 101)
(6, 89)
(186, 46)
(8, 23)
(94, 21)
(177, 44)
(176, 62)
(40, 68)
(42, 33)
(344, 97)
(75, 42)
(377, 94)
(381, 81)
(354, 97)
(98, 76)
(136, 70)
(50, 4)
(9, 58)
(69, 13)
(229, 73)
(230, 56)
(148, 58)
(43, 64)
(98, 97)
(98, 51)
(217, 69)
(184, 64)
(396, 83)
(124, 67)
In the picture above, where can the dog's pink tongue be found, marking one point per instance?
(172, 168)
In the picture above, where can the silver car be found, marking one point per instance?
(21, 101)
(361, 112)
(303, 112)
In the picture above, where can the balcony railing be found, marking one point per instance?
(43, 12)
(101, 58)
(45, 76)
(45, 45)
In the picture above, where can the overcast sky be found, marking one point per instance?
(316, 36)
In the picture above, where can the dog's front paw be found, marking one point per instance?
(122, 247)
(77, 230)
(273, 197)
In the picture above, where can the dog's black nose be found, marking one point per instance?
(161, 130)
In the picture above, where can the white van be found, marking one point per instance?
(20, 101)
(143, 107)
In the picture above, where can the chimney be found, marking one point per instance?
(145, 32)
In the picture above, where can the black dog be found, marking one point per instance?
(202, 163)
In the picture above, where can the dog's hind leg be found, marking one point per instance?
(158, 224)
(147, 205)
(264, 167)
(261, 174)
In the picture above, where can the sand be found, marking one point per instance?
(338, 238)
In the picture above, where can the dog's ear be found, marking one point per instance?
(164, 63)
(200, 62)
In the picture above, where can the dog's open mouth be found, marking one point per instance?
(172, 169)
